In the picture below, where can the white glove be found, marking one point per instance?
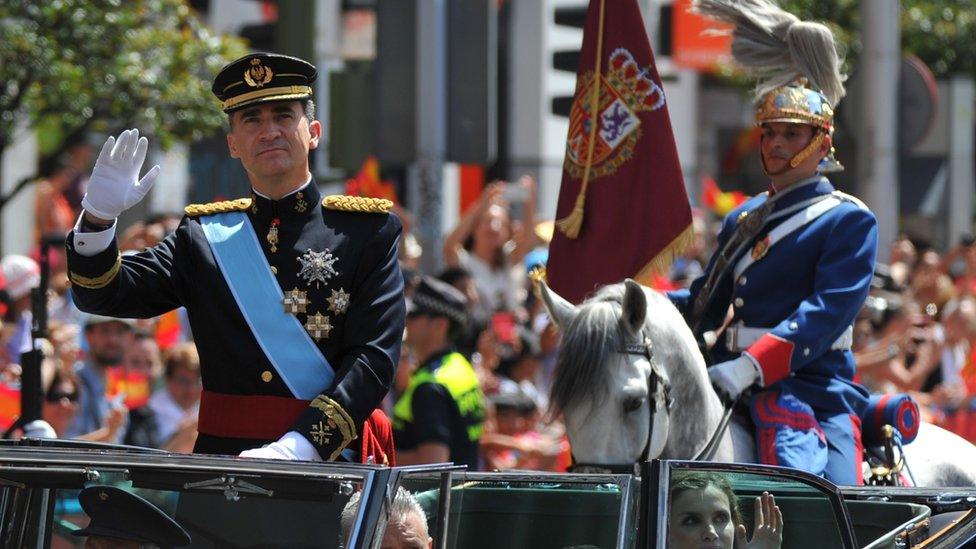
(114, 186)
(39, 429)
(292, 446)
(732, 377)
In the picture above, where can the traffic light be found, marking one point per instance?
(566, 50)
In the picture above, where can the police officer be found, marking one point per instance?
(795, 263)
(440, 415)
(120, 519)
(295, 300)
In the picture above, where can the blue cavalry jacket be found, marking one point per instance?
(804, 287)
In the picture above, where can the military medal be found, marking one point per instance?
(760, 249)
(338, 301)
(295, 301)
(300, 205)
(317, 266)
(318, 326)
(272, 237)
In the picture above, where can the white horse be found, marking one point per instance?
(632, 385)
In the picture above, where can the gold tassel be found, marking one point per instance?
(573, 223)
(663, 260)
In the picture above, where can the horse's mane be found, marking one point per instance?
(592, 336)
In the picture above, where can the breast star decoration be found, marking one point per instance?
(317, 266)
(318, 326)
(338, 301)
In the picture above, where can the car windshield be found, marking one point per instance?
(528, 510)
(217, 502)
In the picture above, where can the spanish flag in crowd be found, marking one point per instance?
(622, 211)
(719, 201)
(367, 182)
(9, 405)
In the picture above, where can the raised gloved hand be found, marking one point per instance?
(115, 185)
(292, 446)
(732, 377)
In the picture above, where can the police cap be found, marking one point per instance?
(117, 514)
(262, 78)
(435, 298)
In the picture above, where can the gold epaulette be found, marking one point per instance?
(239, 205)
(362, 204)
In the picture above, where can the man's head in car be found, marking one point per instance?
(406, 527)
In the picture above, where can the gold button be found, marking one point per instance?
(274, 269)
(266, 376)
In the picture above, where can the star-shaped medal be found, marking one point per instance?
(338, 301)
(317, 266)
(295, 301)
(318, 326)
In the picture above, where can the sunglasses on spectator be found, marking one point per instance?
(56, 396)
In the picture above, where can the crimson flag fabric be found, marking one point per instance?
(635, 214)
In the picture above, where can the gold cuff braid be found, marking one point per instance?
(335, 414)
(98, 281)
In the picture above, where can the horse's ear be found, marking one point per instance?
(561, 311)
(634, 306)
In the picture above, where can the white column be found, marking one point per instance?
(19, 161)
(878, 132)
(962, 97)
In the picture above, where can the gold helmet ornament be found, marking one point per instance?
(795, 103)
(796, 62)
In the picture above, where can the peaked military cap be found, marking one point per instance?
(435, 298)
(262, 78)
(117, 514)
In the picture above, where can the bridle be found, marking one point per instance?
(655, 381)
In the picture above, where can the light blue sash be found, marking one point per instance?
(292, 353)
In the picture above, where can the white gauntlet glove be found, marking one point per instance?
(114, 185)
(732, 377)
(292, 446)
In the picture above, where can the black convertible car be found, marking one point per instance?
(230, 502)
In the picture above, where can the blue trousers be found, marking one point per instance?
(790, 434)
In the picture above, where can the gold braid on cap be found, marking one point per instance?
(361, 204)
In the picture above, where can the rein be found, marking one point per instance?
(654, 380)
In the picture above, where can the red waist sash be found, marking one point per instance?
(248, 416)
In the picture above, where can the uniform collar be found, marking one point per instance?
(802, 190)
(434, 361)
(299, 203)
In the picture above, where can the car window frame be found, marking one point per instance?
(54, 466)
(652, 523)
(449, 472)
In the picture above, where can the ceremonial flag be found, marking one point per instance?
(622, 211)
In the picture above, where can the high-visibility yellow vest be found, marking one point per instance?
(457, 376)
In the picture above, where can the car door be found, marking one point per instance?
(682, 501)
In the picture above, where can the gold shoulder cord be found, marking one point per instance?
(239, 205)
(361, 204)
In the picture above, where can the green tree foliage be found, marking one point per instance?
(74, 66)
(942, 33)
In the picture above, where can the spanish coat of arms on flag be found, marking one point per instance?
(623, 210)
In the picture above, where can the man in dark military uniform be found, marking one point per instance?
(295, 301)
(440, 416)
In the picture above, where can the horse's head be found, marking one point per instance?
(608, 384)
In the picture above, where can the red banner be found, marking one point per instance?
(622, 211)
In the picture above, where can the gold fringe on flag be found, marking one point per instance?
(663, 260)
(571, 224)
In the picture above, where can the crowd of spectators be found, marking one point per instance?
(138, 381)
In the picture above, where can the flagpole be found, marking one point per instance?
(571, 224)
